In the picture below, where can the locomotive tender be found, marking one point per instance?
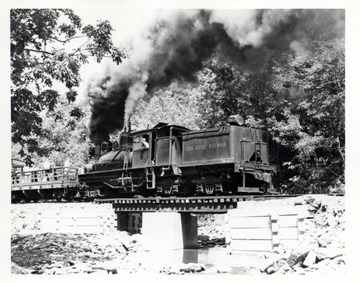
(173, 160)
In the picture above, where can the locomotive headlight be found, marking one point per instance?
(236, 120)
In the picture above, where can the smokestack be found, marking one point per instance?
(177, 44)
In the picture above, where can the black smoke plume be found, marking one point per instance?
(175, 47)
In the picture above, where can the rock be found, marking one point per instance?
(271, 269)
(323, 263)
(309, 199)
(272, 262)
(328, 252)
(321, 242)
(310, 259)
(324, 241)
(279, 265)
(279, 250)
(16, 269)
(112, 271)
(316, 204)
(192, 267)
(299, 201)
(297, 257)
(135, 238)
(331, 221)
(86, 248)
(292, 259)
(285, 268)
(340, 260)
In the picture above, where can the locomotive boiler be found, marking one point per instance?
(173, 160)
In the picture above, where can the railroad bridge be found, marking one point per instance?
(171, 222)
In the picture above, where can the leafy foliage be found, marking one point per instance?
(177, 104)
(44, 50)
(314, 124)
(64, 135)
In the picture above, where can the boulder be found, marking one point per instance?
(309, 199)
(310, 259)
(16, 269)
(273, 263)
(340, 260)
(192, 267)
(321, 242)
(328, 252)
(272, 269)
(297, 257)
(285, 268)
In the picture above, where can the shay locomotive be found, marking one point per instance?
(173, 160)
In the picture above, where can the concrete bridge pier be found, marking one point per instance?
(169, 230)
(161, 230)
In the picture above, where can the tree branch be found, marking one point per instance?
(66, 40)
(78, 49)
(38, 51)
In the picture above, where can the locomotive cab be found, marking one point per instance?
(142, 150)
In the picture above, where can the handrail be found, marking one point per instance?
(45, 176)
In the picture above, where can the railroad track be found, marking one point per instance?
(198, 204)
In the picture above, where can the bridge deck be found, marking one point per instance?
(199, 204)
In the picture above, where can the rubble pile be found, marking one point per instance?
(51, 253)
(321, 249)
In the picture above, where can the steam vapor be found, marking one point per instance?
(178, 42)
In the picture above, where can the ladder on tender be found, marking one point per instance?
(150, 177)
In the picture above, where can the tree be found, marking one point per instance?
(313, 126)
(43, 52)
(227, 90)
(64, 135)
(176, 104)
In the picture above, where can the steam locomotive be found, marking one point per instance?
(171, 160)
